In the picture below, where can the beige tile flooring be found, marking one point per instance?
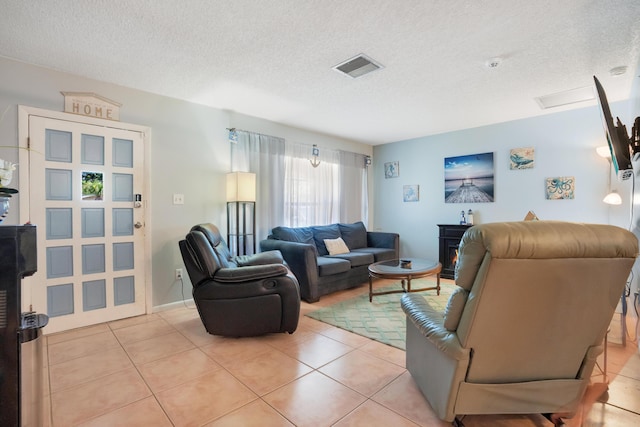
(163, 369)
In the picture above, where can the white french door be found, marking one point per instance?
(86, 185)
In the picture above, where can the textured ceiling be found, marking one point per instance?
(272, 58)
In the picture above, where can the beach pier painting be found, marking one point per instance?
(469, 179)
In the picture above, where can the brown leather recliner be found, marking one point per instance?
(522, 332)
(239, 296)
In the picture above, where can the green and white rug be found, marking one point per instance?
(383, 319)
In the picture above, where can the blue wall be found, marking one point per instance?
(565, 145)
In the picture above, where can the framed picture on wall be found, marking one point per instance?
(469, 179)
(391, 170)
(411, 193)
(560, 188)
(521, 158)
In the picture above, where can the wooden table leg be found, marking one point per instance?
(370, 288)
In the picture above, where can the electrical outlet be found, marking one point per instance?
(178, 199)
(178, 273)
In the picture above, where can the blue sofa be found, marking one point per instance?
(320, 273)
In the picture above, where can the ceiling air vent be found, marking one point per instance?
(358, 66)
(567, 97)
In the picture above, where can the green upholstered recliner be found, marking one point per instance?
(522, 332)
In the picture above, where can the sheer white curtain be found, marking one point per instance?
(264, 156)
(354, 189)
(335, 191)
(311, 195)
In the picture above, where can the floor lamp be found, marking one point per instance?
(241, 212)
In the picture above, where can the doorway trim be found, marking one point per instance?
(24, 113)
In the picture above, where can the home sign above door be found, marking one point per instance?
(92, 105)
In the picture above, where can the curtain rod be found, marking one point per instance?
(301, 143)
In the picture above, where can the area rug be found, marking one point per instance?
(383, 319)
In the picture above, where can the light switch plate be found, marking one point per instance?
(178, 199)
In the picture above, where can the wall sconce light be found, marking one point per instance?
(613, 197)
(367, 161)
(315, 153)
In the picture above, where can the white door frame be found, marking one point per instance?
(24, 175)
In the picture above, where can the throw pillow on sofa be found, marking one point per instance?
(298, 234)
(322, 232)
(354, 235)
(336, 246)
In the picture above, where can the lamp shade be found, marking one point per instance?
(241, 187)
(613, 198)
(604, 151)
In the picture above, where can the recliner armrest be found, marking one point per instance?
(262, 258)
(250, 273)
(430, 323)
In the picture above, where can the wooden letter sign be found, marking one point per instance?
(92, 105)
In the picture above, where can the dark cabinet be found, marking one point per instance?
(449, 240)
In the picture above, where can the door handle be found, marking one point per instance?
(138, 224)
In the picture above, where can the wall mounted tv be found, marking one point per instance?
(619, 142)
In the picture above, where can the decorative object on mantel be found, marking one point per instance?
(522, 158)
(315, 152)
(92, 105)
(560, 188)
(6, 175)
(469, 179)
(391, 170)
(411, 193)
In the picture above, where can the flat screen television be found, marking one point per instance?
(617, 138)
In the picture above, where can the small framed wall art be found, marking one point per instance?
(411, 193)
(560, 188)
(391, 170)
(521, 158)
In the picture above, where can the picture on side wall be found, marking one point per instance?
(411, 193)
(522, 158)
(469, 179)
(391, 170)
(560, 188)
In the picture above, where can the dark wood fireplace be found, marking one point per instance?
(450, 235)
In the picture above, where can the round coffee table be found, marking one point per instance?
(393, 269)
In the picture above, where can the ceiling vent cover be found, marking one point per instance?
(565, 98)
(358, 66)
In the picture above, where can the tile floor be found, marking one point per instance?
(163, 369)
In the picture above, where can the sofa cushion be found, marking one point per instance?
(329, 265)
(454, 308)
(379, 254)
(298, 234)
(356, 258)
(336, 246)
(354, 235)
(322, 232)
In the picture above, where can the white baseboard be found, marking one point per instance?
(172, 305)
